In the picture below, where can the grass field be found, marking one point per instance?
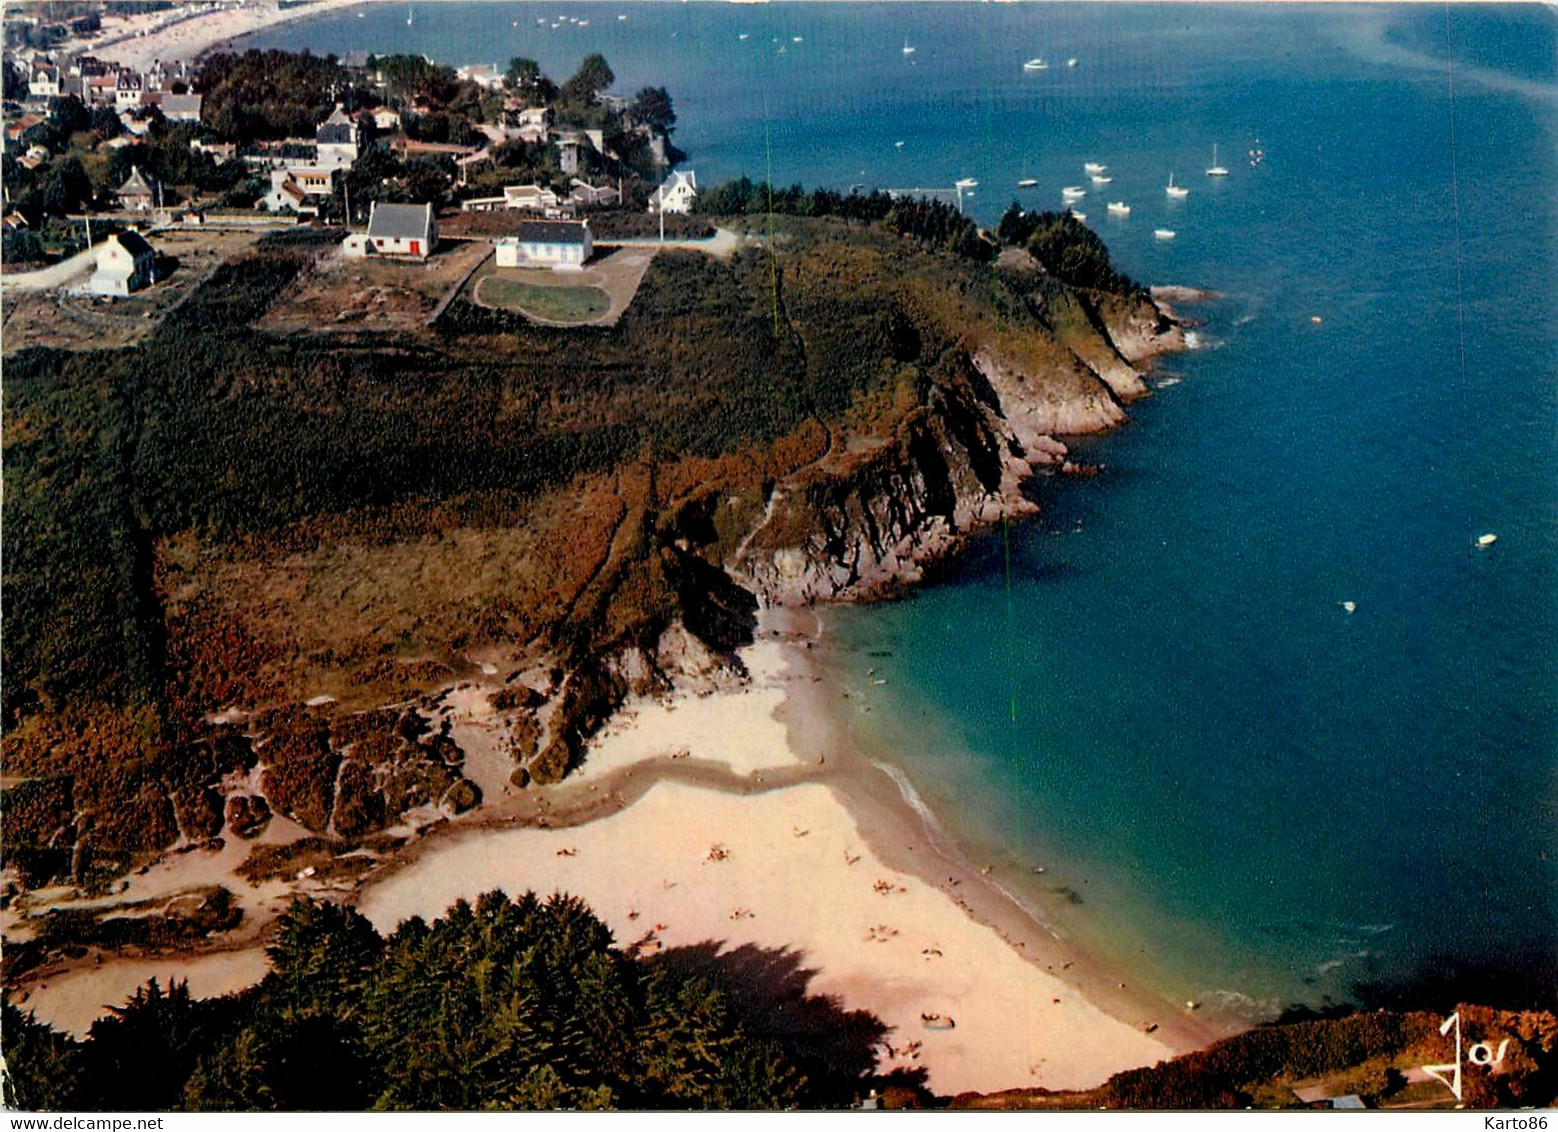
(555, 304)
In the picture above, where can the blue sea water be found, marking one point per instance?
(1233, 785)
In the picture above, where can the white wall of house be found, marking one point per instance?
(388, 245)
(512, 252)
(118, 273)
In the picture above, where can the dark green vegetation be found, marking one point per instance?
(506, 1004)
(556, 304)
(1368, 1055)
(934, 223)
(1065, 247)
(162, 502)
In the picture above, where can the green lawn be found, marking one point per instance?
(556, 304)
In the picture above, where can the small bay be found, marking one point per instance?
(1153, 692)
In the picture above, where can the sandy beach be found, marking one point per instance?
(736, 819)
(138, 40)
(789, 870)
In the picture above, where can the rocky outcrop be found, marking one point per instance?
(860, 524)
(1138, 327)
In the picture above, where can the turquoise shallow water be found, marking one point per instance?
(1152, 690)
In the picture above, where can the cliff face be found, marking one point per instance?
(858, 524)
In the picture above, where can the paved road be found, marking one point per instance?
(54, 275)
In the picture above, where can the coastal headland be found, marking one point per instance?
(710, 800)
(395, 613)
(343, 592)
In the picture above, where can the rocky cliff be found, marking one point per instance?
(866, 520)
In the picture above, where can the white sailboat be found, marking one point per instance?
(907, 49)
(1163, 233)
(1080, 217)
(1072, 192)
(1216, 170)
(1093, 168)
(1100, 179)
(1027, 182)
(1119, 208)
(411, 16)
(1176, 192)
(1036, 64)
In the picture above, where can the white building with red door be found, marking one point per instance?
(403, 231)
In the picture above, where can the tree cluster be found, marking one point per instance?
(1065, 247)
(270, 94)
(934, 223)
(504, 1004)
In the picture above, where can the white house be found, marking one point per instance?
(128, 89)
(531, 198)
(586, 194)
(528, 123)
(44, 81)
(562, 245)
(125, 263)
(406, 231)
(286, 195)
(386, 119)
(484, 75)
(677, 194)
(337, 138)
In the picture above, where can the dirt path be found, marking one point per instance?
(722, 244)
(55, 275)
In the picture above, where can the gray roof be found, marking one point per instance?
(136, 184)
(134, 243)
(335, 130)
(180, 104)
(400, 221)
(551, 232)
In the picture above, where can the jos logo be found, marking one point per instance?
(1480, 1054)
